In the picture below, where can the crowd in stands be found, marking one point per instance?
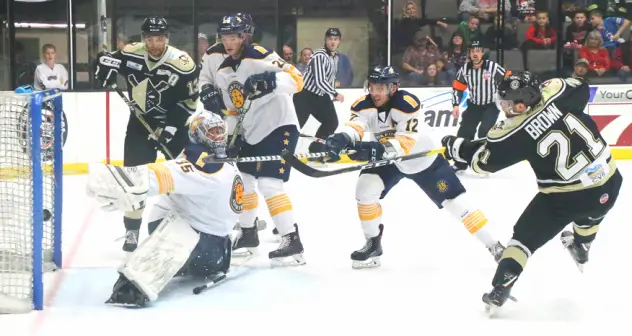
(429, 51)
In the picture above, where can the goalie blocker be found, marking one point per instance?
(190, 224)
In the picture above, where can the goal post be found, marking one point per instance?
(31, 184)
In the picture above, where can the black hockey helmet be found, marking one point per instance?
(522, 87)
(154, 25)
(333, 32)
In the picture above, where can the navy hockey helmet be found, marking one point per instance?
(522, 87)
(154, 25)
(382, 75)
(250, 24)
(235, 24)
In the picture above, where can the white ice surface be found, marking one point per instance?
(432, 276)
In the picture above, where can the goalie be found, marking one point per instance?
(196, 207)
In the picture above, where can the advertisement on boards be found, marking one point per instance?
(610, 106)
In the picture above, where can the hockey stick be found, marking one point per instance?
(216, 279)
(134, 109)
(297, 164)
(264, 158)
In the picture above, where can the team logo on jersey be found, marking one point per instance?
(237, 98)
(604, 198)
(487, 75)
(237, 195)
(184, 60)
(442, 186)
(514, 84)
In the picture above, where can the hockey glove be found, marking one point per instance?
(212, 100)
(107, 68)
(118, 188)
(334, 144)
(371, 151)
(165, 135)
(259, 85)
(460, 149)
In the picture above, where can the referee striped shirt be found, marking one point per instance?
(481, 83)
(320, 76)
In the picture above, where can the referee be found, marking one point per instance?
(480, 77)
(319, 89)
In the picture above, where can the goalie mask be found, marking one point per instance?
(209, 130)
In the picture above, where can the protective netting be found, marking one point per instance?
(18, 182)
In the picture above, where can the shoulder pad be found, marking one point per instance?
(256, 51)
(137, 48)
(405, 101)
(194, 153)
(181, 60)
(216, 48)
(363, 103)
(551, 87)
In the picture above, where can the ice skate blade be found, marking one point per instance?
(245, 252)
(491, 310)
(295, 260)
(369, 263)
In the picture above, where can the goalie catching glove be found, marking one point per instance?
(118, 188)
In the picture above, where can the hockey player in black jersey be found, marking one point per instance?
(577, 177)
(162, 81)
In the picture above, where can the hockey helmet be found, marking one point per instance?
(235, 24)
(333, 32)
(382, 75)
(249, 23)
(208, 129)
(522, 87)
(154, 25)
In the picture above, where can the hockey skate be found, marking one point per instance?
(578, 251)
(499, 295)
(290, 246)
(497, 251)
(131, 240)
(246, 242)
(126, 294)
(369, 255)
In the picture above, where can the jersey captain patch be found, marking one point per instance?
(237, 98)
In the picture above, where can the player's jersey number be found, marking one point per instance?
(565, 166)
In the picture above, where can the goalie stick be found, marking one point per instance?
(134, 109)
(301, 157)
(297, 164)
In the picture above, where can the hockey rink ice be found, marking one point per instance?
(432, 276)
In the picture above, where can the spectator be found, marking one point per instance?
(288, 54)
(456, 55)
(442, 70)
(50, 75)
(121, 41)
(597, 56)
(432, 77)
(418, 56)
(610, 28)
(578, 30)
(526, 10)
(410, 22)
(509, 36)
(306, 54)
(470, 30)
(581, 68)
(541, 35)
(483, 9)
(202, 45)
(344, 75)
(622, 61)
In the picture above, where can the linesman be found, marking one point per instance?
(319, 90)
(480, 77)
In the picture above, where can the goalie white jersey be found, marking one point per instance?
(397, 122)
(208, 196)
(269, 112)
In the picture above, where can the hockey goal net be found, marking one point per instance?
(30, 196)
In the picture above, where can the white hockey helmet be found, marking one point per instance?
(208, 129)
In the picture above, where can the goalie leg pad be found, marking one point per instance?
(160, 257)
(211, 256)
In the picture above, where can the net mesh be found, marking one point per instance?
(16, 200)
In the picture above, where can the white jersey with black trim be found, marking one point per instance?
(269, 112)
(208, 196)
(399, 122)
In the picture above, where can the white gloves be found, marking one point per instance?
(118, 188)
